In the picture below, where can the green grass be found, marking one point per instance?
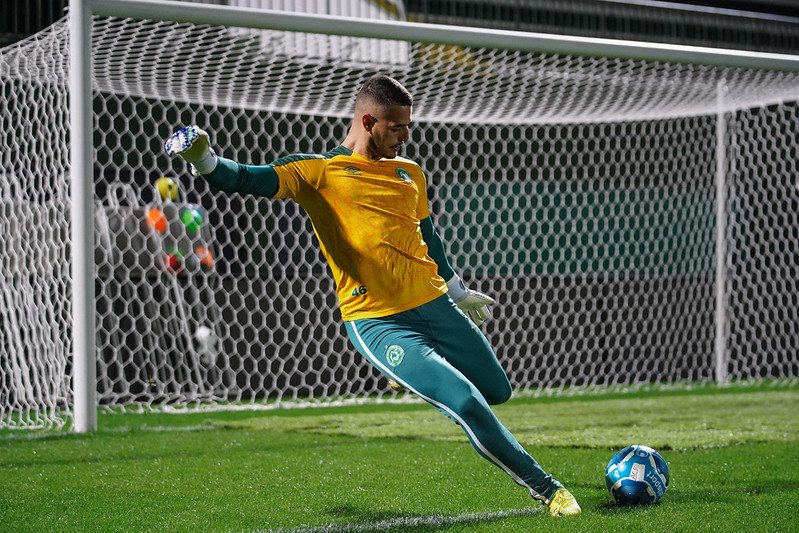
(733, 457)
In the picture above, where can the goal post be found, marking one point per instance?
(619, 199)
(721, 309)
(82, 216)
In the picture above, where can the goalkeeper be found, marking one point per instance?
(404, 307)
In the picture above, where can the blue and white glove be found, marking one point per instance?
(475, 304)
(194, 146)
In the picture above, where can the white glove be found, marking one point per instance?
(193, 145)
(474, 304)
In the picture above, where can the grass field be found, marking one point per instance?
(734, 457)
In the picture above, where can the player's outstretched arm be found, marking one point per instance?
(193, 145)
(475, 304)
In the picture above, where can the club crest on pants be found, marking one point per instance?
(394, 354)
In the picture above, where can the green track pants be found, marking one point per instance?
(436, 352)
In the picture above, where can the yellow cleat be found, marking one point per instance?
(395, 386)
(563, 504)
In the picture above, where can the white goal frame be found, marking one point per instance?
(81, 164)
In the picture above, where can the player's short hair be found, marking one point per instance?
(385, 91)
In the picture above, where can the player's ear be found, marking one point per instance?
(368, 121)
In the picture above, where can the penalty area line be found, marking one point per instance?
(411, 521)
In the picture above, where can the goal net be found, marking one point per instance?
(582, 193)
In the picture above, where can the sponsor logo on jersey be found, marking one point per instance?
(403, 174)
(394, 354)
(352, 170)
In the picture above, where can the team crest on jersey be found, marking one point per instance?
(394, 354)
(352, 170)
(403, 174)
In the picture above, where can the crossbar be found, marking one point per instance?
(442, 34)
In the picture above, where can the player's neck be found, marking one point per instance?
(359, 146)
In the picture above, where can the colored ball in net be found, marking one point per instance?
(205, 257)
(192, 217)
(174, 260)
(174, 263)
(156, 220)
(167, 188)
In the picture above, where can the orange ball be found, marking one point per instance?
(205, 256)
(156, 220)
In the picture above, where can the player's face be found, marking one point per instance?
(389, 131)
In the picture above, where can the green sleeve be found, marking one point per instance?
(435, 248)
(229, 176)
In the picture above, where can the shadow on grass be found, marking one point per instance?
(735, 495)
(611, 508)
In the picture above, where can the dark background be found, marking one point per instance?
(755, 25)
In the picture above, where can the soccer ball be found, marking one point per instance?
(207, 344)
(157, 220)
(205, 257)
(192, 217)
(637, 475)
(173, 261)
(167, 188)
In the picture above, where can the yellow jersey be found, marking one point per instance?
(366, 214)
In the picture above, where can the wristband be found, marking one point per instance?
(457, 290)
(207, 164)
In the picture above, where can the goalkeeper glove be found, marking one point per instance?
(474, 304)
(193, 145)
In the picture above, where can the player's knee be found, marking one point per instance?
(467, 406)
(495, 387)
(500, 393)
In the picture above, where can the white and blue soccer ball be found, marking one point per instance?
(637, 475)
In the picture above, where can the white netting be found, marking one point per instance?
(579, 192)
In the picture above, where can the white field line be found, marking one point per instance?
(412, 521)
(33, 436)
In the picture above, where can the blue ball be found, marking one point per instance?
(637, 475)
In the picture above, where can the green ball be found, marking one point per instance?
(192, 217)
